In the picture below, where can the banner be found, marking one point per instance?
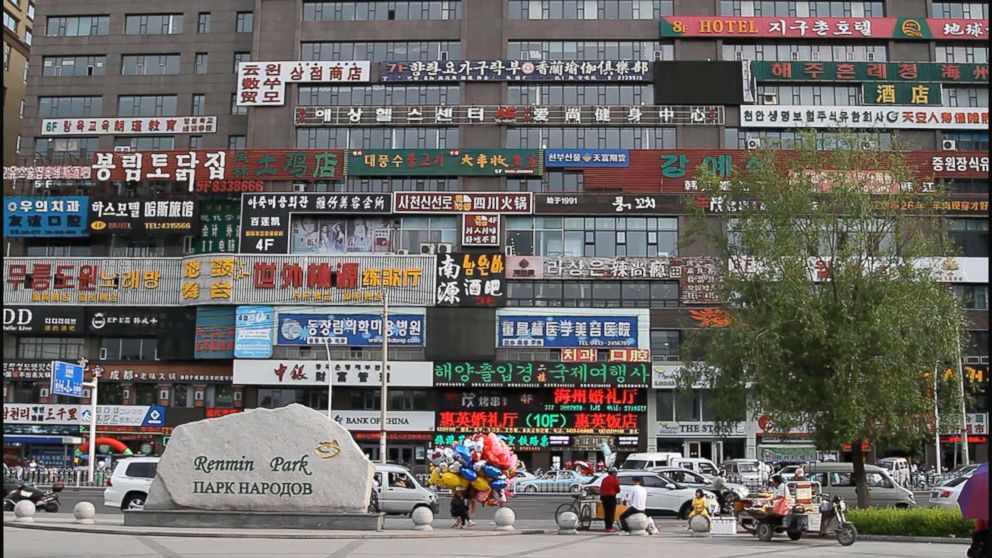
(566, 331)
(473, 280)
(51, 217)
(106, 415)
(218, 227)
(586, 158)
(130, 281)
(132, 321)
(511, 115)
(463, 202)
(515, 70)
(350, 330)
(943, 72)
(265, 222)
(294, 373)
(898, 93)
(264, 83)
(155, 125)
(481, 229)
(40, 320)
(831, 28)
(253, 331)
(46, 172)
(538, 422)
(153, 217)
(325, 234)
(445, 162)
(281, 279)
(214, 334)
(894, 118)
(396, 421)
(581, 399)
(538, 374)
(219, 170)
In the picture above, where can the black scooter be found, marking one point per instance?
(48, 501)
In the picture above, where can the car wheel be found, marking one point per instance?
(530, 489)
(133, 502)
(765, 532)
(575, 488)
(685, 511)
(847, 534)
(794, 535)
(52, 507)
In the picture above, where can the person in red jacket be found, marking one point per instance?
(608, 491)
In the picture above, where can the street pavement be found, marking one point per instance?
(25, 543)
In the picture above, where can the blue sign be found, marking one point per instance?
(586, 158)
(350, 330)
(253, 331)
(49, 216)
(155, 416)
(67, 379)
(567, 331)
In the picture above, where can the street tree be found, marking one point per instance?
(836, 316)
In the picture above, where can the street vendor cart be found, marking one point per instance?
(811, 513)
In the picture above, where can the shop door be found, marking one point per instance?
(694, 448)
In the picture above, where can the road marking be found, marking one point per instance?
(346, 549)
(157, 547)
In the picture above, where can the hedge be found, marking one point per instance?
(911, 522)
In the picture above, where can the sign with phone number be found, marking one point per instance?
(220, 186)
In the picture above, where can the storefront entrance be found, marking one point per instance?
(707, 449)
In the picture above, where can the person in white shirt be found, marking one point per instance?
(638, 504)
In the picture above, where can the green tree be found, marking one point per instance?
(837, 315)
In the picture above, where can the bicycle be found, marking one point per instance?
(582, 507)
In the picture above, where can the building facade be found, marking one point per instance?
(18, 34)
(213, 202)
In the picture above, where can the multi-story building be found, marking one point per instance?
(244, 182)
(18, 34)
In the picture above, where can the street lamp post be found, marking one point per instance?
(936, 422)
(330, 379)
(384, 397)
(93, 405)
(965, 458)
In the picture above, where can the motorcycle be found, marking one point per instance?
(833, 519)
(728, 501)
(46, 501)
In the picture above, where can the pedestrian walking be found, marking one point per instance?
(638, 504)
(608, 491)
(459, 509)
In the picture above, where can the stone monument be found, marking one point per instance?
(285, 468)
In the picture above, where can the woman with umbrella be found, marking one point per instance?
(974, 503)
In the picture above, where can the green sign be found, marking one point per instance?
(913, 72)
(516, 441)
(445, 162)
(541, 374)
(898, 93)
(218, 227)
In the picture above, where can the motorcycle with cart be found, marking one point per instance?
(812, 513)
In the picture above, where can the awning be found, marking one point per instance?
(46, 440)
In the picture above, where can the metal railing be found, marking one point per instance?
(71, 477)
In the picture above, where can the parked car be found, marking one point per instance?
(898, 468)
(693, 479)
(744, 471)
(664, 496)
(559, 480)
(964, 470)
(401, 493)
(519, 476)
(640, 461)
(699, 465)
(946, 495)
(837, 479)
(127, 487)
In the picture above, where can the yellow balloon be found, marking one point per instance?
(463, 482)
(435, 477)
(481, 484)
(450, 480)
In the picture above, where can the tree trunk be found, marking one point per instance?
(858, 457)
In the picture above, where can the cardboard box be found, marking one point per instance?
(723, 526)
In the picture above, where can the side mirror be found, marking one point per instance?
(670, 486)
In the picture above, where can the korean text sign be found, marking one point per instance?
(943, 72)
(896, 117)
(67, 379)
(37, 216)
(516, 70)
(349, 330)
(567, 331)
(477, 280)
(445, 162)
(131, 281)
(264, 83)
(156, 217)
(253, 331)
(830, 28)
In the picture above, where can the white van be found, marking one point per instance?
(699, 465)
(649, 460)
(898, 468)
(744, 471)
(838, 479)
(401, 493)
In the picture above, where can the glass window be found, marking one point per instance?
(382, 11)
(969, 54)
(145, 394)
(665, 406)
(31, 11)
(10, 22)
(245, 22)
(77, 26)
(961, 10)
(199, 100)
(971, 236)
(415, 231)
(395, 50)
(50, 348)
(200, 65)
(149, 64)
(220, 396)
(971, 141)
(240, 57)
(195, 142)
(589, 294)
(28, 37)
(73, 65)
(203, 22)
(687, 406)
(69, 107)
(664, 343)
(590, 50)
(153, 24)
(146, 105)
(237, 142)
(377, 138)
(973, 297)
(413, 95)
(236, 109)
(824, 52)
(78, 145)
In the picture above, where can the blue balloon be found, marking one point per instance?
(468, 473)
(491, 471)
(463, 455)
(498, 484)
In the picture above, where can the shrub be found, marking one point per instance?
(911, 522)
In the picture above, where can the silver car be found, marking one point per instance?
(693, 479)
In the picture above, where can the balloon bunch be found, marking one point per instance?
(481, 465)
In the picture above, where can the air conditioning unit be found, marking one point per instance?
(769, 98)
(948, 145)
(402, 252)
(427, 249)
(122, 148)
(509, 251)
(300, 187)
(752, 143)
(444, 248)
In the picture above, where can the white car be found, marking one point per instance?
(127, 487)
(946, 495)
(664, 496)
(559, 480)
(693, 479)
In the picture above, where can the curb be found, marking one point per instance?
(262, 534)
(928, 540)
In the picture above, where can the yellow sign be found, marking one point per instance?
(328, 450)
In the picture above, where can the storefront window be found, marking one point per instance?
(971, 236)
(126, 349)
(591, 294)
(23, 392)
(337, 235)
(50, 348)
(220, 396)
(557, 237)
(415, 231)
(666, 406)
(688, 406)
(182, 395)
(144, 394)
(111, 393)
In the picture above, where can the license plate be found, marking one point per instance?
(813, 522)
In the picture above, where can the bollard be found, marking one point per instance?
(422, 519)
(567, 522)
(699, 526)
(24, 511)
(84, 513)
(638, 524)
(504, 519)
